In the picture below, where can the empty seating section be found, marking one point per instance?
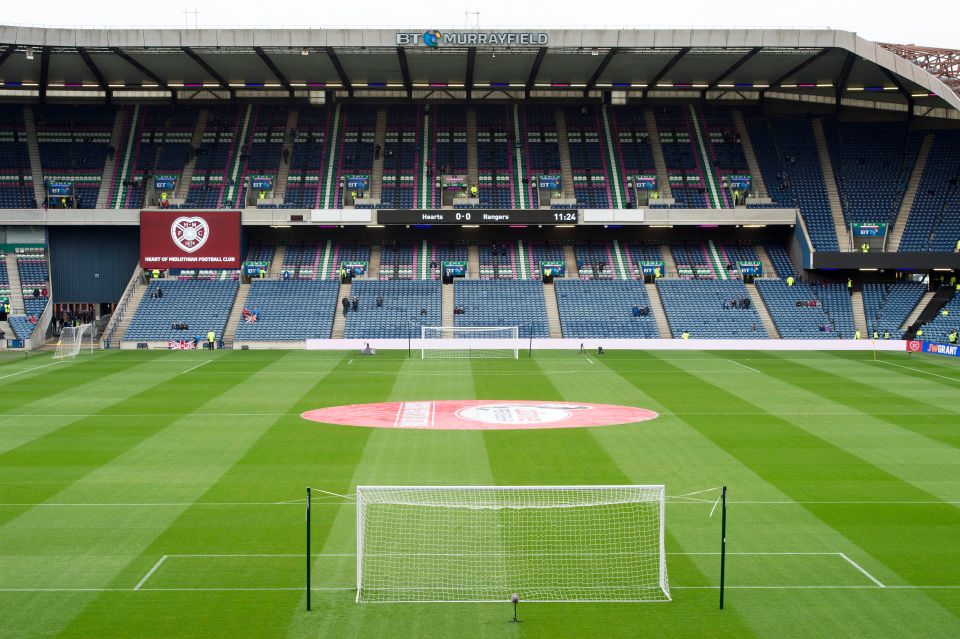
(802, 311)
(723, 145)
(289, 310)
(934, 222)
(730, 254)
(698, 307)
(261, 255)
(302, 261)
(633, 142)
(217, 147)
(498, 261)
(442, 252)
(307, 157)
(686, 178)
(595, 261)
(587, 157)
(32, 265)
(347, 253)
(872, 162)
(781, 261)
(502, 303)
(358, 125)
(264, 148)
(401, 314)
(603, 309)
(16, 180)
(398, 262)
(449, 126)
(162, 147)
(541, 142)
(693, 261)
(401, 149)
(887, 305)
(939, 329)
(74, 142)
(792, 173)
(494, 157)
(204, 305)
(636, 254)
(542, 253)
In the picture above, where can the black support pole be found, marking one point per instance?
(723, 542)
(308, 550)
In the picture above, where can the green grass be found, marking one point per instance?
(833, 461)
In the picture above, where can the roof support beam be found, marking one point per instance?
(534, 70)
(6, 54)
(841, 84)
(592, 82)
(797, 69)
(335, 61)
(468, 79)
(666, 69)
(273, 69)
(44, 72)
(87, 60)
(733, 67)
(205, 66)
(139, 67)
(405, 71)
(901, 87)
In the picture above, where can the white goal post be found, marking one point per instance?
(73, 339)
(483, 543)
(467, 342)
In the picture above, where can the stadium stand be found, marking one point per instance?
(934, 222)
(604, 309)
(940, 327)
(162, 147)
(595, 260)
(445, 252)
(16, 180)
(218, 146)
(399, 261)
(637, 253)
(542, 253)
(502, 303)
(401, 157)
(703, 308)
(723, 145)
(401, 314)
(780, 260)
(497, 182)
(591, 180)
(541, 143)
(291, 310)
(307, 157)
(686, 174)
(203, 305)
(805, 311)
(498, 261)
(887, 305)
(693, 260)
(74, 142)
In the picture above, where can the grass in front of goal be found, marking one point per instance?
(160, 494)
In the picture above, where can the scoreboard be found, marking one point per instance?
(478, 216)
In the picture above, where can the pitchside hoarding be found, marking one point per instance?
(190, 239)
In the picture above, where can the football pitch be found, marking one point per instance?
(161, 494)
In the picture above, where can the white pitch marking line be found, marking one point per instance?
(150, 573)
(353, 588)
(197, 366)
(27, 370)
(300, 502)
(861, 569)
(350, 362)
(590, 360)
(733, 361)
(910, 368)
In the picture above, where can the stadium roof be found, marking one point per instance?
(817, 65)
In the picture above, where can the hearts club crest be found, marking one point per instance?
(190, 233)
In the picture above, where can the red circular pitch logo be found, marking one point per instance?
(479, 414)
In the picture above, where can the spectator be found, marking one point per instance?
(346, 305)
(211, 339)
(423, 311)
(379, 301)
(159, 293)
(790, 281)
(36, 293)
(355, 304)
(44, 292)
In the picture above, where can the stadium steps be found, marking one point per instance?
(118, 190)
(283, 172)
(123, 323)
(109, 174)
(231, 196)
(186, 175)
(424, 189)
(859, 313)
(277, 264)
(328, 187)
(616, 171)
(756, 175)
(940, 298)
(373, 268)
(656, 307)
(111, 329)
(765, 262)
(379, 137)
(473, 262)
(700, 149)
(8, 331)
(325, 268)
(473, 160)
(761, 307)
(33, 152)
(570, 257)
(553, 311)
(663, 177)
(621, 264)
(563, 150)
(16, 288)
(339, 319)
(917, 310)
(446, 305)
(716, 261)
(233, 320)
(830, 182)
(519, 170)
(669, 265)
(896, 233)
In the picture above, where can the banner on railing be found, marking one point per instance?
(916, 346)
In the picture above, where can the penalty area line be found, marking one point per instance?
(192, 368)
(862, 569)
(27, 370)
(750, 368)
(910, 368)
(149, 574)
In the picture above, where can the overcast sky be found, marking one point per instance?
(935, 24)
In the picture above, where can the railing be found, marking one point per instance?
(119, 312)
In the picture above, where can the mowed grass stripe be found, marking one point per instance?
(242, 530)
(802, 464)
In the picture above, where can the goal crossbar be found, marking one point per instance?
(466, 342)
(482, 543)
(73, 339)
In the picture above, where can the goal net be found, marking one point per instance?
(463, 342)
(483, 543)
(73, 339)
